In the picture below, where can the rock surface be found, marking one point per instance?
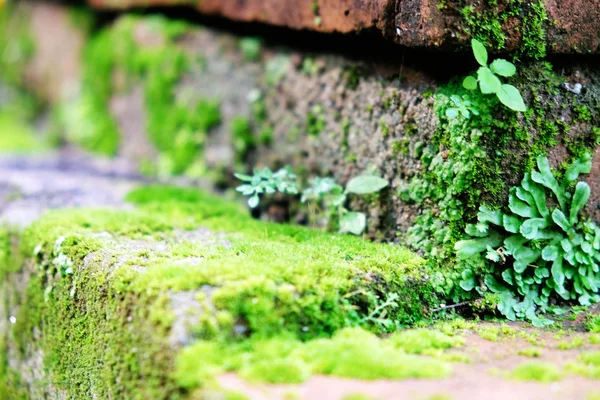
(570, 26)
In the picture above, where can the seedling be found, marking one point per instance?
(489, 81)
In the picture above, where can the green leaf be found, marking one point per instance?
(550, 253)
(468, 282)
(243, 177)
(503, 68)
(366, 184)
(470, 83)
(511, 223)
(479, 52)
(582, 165)
(253, 201)
(473, 230)
(561, 220)
(531, 227)
(511, 98)
(353, 222)
(538, 193)
(520, 208)
(488, 82)
(580, 199)
(546, 178)
(525, 256)
(451, 112)
(494, 285)
(513, 243)
(557, 272)
(488, 215)
(507, 275)
(466, 249)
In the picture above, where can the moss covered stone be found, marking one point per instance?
(110, 296)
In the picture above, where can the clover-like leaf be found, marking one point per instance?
(452, 112)
(488, 82)
(470, 83)
(503, 68)
(510, 97)
(479, 52)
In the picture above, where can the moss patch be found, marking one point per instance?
(350, 353)
(535, 371)
(271, 285)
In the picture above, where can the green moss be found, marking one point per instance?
(357, 396)
(587, 365)
(532, 352)
(271, 285)
(573, 344)
(17, 136)
(488, 24)
(535, 371)
(251, 48)
(592, 323)
(243, 137)
(315, 120)
(350, 353)
(176, 127)
(466, 165)
(16, 43)
(422, 341)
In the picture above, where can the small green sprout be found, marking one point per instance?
(490, 83)
(266, 181)
(325, 192)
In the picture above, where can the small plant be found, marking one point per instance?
(490, 83)
(251, 48)
(328, 192)
(325, 192)
(541, 245)
(462, 106)
(265, 181)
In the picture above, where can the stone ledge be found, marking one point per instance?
(570, 26)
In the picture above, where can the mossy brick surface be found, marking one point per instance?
(99, 302)
(563, 27)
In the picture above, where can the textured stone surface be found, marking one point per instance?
(572, 25)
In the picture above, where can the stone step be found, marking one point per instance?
(560, 26)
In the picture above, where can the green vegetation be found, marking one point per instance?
(535, 371)
(350, 353)
(251, 48)
(555, 251)
(487, 23)
(176, 126)
(93, 271)
(489, 83)
(532, 352)
(587, 365)
(324, 193)
(592, 323)
(16, 135)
